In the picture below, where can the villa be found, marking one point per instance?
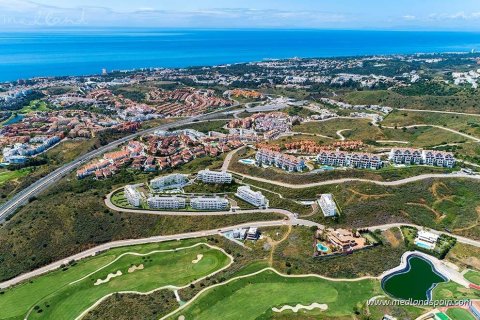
(252, 233)
(328, 205)
(172, 181)
(426, 240)
(132, 195)
(344, 240)
(219, 177)
(255, 198)
(174, 202)
(209, 203)
(283, 161)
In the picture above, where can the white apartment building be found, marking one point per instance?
(255, 198)
(209, 203)
(207, 176)
(283, 161)
(157, 202)
(172, 181)
(328, 205)
(405, 156)
(353, 159)
(418, 156)
(438, 158)
(132, 195)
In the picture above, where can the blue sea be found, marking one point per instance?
(74, 52)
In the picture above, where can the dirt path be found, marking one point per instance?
(274, 244)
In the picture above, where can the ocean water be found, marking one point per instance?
(49, 53)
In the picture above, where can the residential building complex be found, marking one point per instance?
(354, 159)
(209, 203)
(255, 198)
(280, 160)
(220, 177)
(418, 156)
(132, 195)
(19, 152)
(328, 205)
(174, 202)
(171, 181)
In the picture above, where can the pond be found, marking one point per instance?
(416, 281)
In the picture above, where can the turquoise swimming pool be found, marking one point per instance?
(327, 168)
(321, 247)
(247, 161)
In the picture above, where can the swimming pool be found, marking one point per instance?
(247, 161)
(423, 245)
(327, 168)
(321, 247)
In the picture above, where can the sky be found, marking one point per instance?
(439, 15)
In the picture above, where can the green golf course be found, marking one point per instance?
(253, 297)
(66, 293)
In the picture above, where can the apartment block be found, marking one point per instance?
(412, 156)
(132, 195)
(328, 205)
(283, 161)
(209, 203)
(255, 198)
(355, 159)
(157, 202)
(172, 181)
(220, 177)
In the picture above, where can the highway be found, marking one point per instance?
(40, 185)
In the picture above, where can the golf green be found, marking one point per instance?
(254, 296)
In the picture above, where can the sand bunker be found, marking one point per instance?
(135, 268)
(110, 276)
(182, 317)
(314, 305)
(199, 257)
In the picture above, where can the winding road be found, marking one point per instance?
(346, 180)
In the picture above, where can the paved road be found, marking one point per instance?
(228, 159)
(439, 111)
(346, 180)
(40, 185)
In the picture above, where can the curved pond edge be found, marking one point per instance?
(405, 267)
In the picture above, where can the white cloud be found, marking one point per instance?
(409, 17)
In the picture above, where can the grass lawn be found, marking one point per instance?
(254, 296)
(473, 277)
(453, 291)
(459, 314)
(36, 105)
(7, 176)
(58, 298)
